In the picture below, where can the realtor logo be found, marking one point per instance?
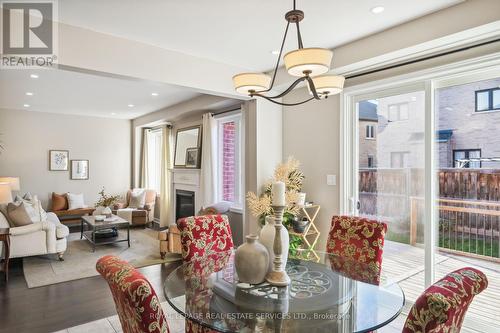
(28, 33)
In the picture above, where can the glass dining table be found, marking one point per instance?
(332, 295)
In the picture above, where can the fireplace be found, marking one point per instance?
(184, 203)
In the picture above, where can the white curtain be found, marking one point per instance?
(165, 177)
(208, 180)
(144, 181)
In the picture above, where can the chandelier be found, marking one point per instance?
(308, 64)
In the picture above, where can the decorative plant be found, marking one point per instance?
(260, 207)
(293, 178)
(106, 200)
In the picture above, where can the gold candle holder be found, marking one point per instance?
(278, 276)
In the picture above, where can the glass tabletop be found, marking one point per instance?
(332, 295)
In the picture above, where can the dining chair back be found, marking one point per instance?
(356, 245)
(136, 302)
(204, 236)
(442, 307)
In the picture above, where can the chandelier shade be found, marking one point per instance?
(328, 84)
(307, 64)
(246, 83)
(312, 61)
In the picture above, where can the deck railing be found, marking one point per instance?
(466, 227)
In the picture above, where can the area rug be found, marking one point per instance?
(79, 260)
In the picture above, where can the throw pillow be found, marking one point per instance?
(59, 202)
(75, 201)
(18, 215)
(137, 199)
(34, 208)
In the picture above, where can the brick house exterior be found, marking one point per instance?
(472, 131)
(368, 121)
(229, 161)
(462, 132)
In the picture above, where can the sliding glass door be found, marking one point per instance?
(390, 127)
(422, 155)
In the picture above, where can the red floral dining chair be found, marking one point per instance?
(137, 304)
(442, 307)
(203, 238)
(204, 235)
(356, 245)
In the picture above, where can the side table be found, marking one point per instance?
(5, 238)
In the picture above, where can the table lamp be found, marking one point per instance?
(5, 193)
(12, 181)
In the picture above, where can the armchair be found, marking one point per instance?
(39, 238)
(142, 215)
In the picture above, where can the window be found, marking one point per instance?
(229, 159)
(488, 99)
(370, 131)
(400, 159)
(155, 141)
(370, 161)
(461, 157)
(398, 112)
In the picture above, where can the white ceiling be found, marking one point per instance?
(66, 92)
(241, 33)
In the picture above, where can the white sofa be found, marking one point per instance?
(46, 237)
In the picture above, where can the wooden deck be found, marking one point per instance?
(404, 264)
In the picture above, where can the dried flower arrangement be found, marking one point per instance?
(106, 200)
(290, 174)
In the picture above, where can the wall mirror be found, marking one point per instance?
(186, 138)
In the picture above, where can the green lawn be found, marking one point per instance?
(472, 246)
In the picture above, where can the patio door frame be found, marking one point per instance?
(428, 80)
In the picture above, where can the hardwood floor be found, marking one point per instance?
(56, 307)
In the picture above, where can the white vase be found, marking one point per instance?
(267, 239)
(107, 211)
(251, 261)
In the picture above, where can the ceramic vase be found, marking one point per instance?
(267, 239)
(107, 211)
(251, 261)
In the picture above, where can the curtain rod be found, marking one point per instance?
(227, 111)
(422, 59)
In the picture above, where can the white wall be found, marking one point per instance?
(311, 135)
(263, 148)
(28, 137)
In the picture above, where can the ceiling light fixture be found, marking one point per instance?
(377, 9)
(26, 105)
(305, 63)
(113, 113)
(29, 94)
(34, 76)
(131, 105)
(275, 52)
(154, 94)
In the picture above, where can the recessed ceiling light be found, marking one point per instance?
(154, 94)
(26, 105)
(131, 105)
(275, 52)
(29, 94)
(113, 113)
(377, 9)
(34, 76)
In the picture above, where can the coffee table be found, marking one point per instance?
(93, 226)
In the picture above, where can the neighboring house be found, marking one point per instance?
(469, 124)
(368, 121)
(400, 142)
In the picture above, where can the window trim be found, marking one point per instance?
(398, 105)
(238, 119)
(467, 151)
(490, 99)
(370, 129)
